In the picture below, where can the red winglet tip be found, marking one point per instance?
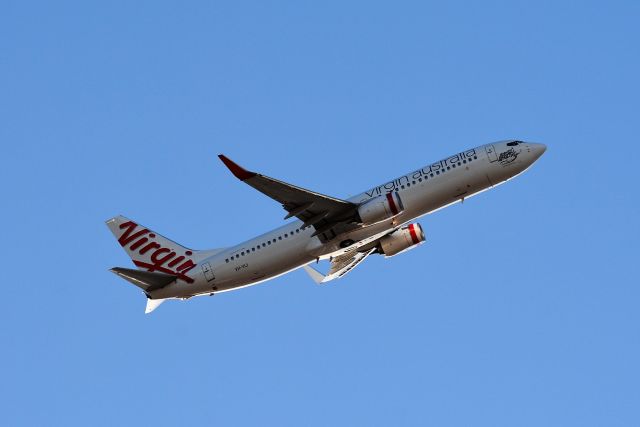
(236, 169)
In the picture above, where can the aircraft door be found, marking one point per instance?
(491, 152)
(208, 272)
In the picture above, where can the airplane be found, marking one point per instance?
(343, 231)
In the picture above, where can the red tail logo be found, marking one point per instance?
(162, 259)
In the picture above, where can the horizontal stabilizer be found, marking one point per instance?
(152, 304)
(145, 280)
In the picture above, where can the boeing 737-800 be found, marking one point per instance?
(343, 231)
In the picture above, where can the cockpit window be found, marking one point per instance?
(513, 143)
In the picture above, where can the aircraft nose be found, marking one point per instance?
(538, 149)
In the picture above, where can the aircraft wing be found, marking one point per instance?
(340, 266)
(322, 212)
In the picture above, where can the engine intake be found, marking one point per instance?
(401, 240)
(380, 208)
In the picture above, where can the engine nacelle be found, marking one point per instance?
(401, 240)
(380, 208)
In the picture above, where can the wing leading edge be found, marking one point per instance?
(322, 212)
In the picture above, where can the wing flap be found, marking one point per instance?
(340, 266)
(343, 264)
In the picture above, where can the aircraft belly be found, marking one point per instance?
(259, 267)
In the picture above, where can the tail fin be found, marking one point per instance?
(152, 252)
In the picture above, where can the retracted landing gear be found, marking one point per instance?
(346, 243)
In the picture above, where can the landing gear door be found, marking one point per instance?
(208, 272)
(491, 153)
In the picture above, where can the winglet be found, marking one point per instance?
(315, 274)
(239, 172)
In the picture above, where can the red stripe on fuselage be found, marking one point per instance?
(392, 204)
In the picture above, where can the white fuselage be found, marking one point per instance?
(422, 191)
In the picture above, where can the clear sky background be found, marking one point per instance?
(523, 309)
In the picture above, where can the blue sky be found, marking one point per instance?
(522, 308)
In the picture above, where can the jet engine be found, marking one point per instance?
(380, 208)
(401, 240)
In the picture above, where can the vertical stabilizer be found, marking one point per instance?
(153, 252)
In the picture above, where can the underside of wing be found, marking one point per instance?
(328, 215)
(340, 265)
